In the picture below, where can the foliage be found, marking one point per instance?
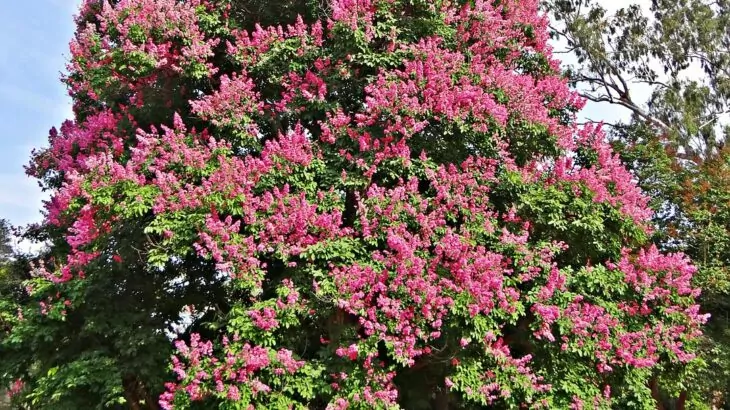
(378, 204)
(675, 52)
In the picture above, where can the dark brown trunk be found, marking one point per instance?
(152, 403)
(441, 401)
(681, 400)
(654, 386)
(136, 394)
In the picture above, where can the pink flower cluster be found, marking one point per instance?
(149, 27)
(240, 369)
(658, 282)
(232, 105)
(15, 388)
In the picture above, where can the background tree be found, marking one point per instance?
(668, 63)
(677, 50)
(370, 204)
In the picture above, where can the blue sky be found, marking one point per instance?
(34, 37)
(34, 40)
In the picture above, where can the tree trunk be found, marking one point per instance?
(441, 401)
(681, 400)
(136, 394)
(654, 386)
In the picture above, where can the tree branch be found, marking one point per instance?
(631, 106)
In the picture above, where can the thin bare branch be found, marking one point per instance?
(631, 106)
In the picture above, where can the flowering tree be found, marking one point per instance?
(370, 204)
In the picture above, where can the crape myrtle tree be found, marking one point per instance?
(358, 203)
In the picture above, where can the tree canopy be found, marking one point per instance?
(343, 204)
